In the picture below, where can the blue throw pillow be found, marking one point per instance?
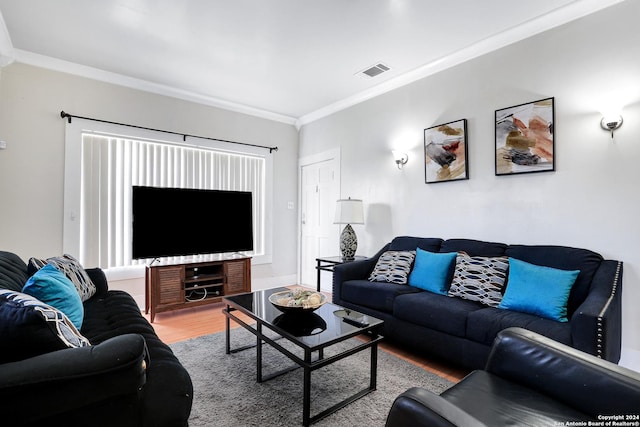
(539, 290)
(431, 271)
(52, 287)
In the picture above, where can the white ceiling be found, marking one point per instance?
(288, 60)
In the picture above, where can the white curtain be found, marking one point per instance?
(112, 165)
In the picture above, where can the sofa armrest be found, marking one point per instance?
(355, 270)
(99, 279)
(418, 407)
(596, 326)
(532, 360)
(67, 380)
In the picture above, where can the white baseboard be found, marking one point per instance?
(258, 284)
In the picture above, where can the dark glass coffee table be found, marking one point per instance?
(311, 332)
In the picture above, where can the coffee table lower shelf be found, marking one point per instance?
(308, 363)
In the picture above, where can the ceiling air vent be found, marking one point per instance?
(375, 70)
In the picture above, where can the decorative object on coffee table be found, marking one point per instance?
(297, 300)
(348, 211)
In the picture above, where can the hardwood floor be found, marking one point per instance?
(193, 322)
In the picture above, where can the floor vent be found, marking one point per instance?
(375, 70)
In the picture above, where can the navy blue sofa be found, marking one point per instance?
(462, 331)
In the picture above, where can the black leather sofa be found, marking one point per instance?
(529, 380)
(461, 331)
(127, 377)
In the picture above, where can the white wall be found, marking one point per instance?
(32, 166)
(590, 201)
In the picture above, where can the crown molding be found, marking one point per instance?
(555, 18)
(528, 29)
(55, 64)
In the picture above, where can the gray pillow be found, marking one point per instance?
(393, 267)
(479, 278)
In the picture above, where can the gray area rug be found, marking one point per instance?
(226, 393)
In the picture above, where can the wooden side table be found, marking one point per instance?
(327, 264)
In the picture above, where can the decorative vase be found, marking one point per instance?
(348, 242)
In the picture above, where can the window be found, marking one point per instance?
(98, 204)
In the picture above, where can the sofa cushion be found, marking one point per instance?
(432, 271)
(29, 327)
(483, 325)
(564, 258)
(99, 279)
(116, 313)
(393, 267)
(13, 271)
(438, 312)
(539, 290)
(52, 287)
(474, 247)
(409, 243)
(479, 278)
(72, 268)
(376, 295)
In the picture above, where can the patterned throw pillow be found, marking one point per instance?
(479, 278)
(29, 327)
(393, 267)
(73, 270)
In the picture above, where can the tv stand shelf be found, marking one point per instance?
(173, 286)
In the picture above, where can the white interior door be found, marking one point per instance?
(319, 235)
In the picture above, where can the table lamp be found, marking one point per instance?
(348, 211)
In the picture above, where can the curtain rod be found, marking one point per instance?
(184, 135)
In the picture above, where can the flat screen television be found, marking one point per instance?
(178, 221)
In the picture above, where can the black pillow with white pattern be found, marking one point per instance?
(393, 267)
(71, 268)
(29, 327)
(479, 278)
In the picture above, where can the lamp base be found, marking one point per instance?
(348, 243)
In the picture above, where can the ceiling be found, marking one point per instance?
(287, 60)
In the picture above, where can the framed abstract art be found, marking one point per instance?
(524, 138)
(445, 152)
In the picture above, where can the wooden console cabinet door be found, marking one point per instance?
(167, 287)
(237, 277)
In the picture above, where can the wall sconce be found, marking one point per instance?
(400, 158)
(611, 123)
